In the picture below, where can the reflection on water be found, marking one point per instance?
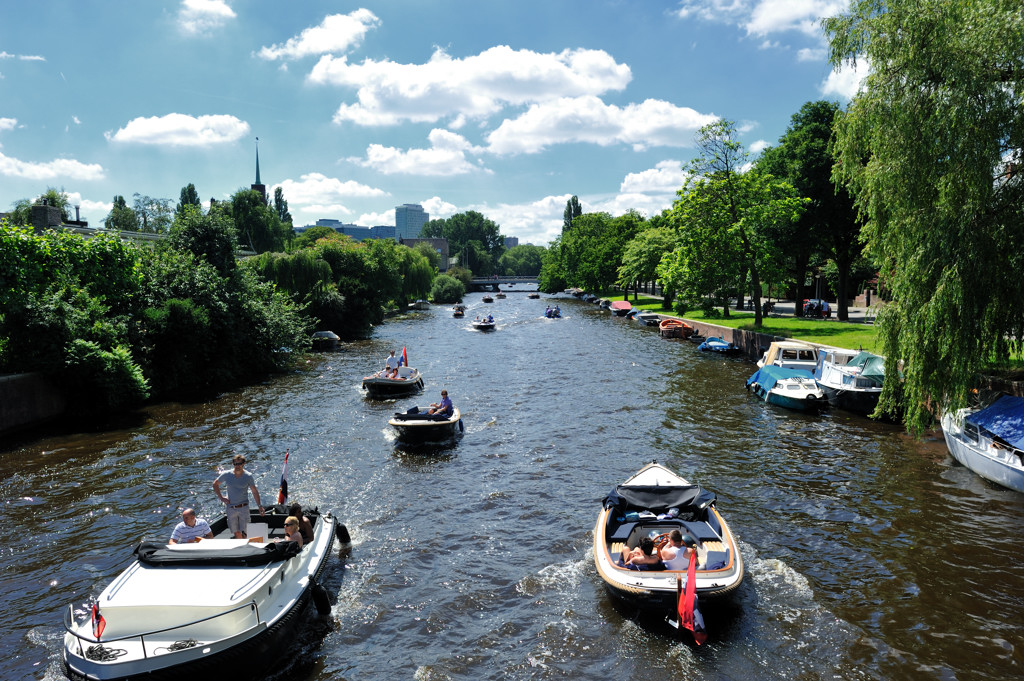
(869, 555)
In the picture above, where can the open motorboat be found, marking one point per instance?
(790, 355)
(850, 380)
(420, 305)
(325, 341)
(484, 324)
(719, 345)
(220, 607)
(553, 312)
(415, 426)
(648, 318)
(488, 299)
(989, 441)
(671, 327)
(533, 295)
(409, 381)
(790, 388)
(459, 311)
(499, 294)
(620, 307)
(652, 502)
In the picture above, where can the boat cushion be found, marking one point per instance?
(156, 554)
(702, 531)
(622, 532)
(716, 560)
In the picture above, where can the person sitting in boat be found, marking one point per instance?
(291, 531)
(190, 529)
(676, 553)
(392, 362)
(442, 408)
(556, 312)
(643, 555)
(305, 527)
(490, 319)
(237, 482)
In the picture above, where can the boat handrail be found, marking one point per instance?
(69, 621)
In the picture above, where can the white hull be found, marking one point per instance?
(998, 465)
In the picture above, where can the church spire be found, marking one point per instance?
(259, 186)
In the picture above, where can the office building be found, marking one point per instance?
(409, 220)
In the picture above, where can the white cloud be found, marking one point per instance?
(537, 222)
(665, 179)
(198, 17)
(847, 81)
(445, 157)
(437, 208)
(61, 168)
(811, 54)
(181, 130)
(337, 33)
(8, 123)
(758, 146)
(321, 210)
(588, 119)
(713, 10)
(474, 87)
(21, 57)
(313, 189)
(804, 16)
(374, 219)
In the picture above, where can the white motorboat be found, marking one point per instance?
(790, 355)
(790, 388)
(651, 502)
(420, 305)
(415, 426)
(850, 380)
(989, 441)
(219, 606)
(409, 381)
(483, 324)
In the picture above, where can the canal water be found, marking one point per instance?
(869, 555)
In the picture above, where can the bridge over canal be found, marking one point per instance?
(509, 284)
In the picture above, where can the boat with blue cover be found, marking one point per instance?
(719, 345)
(651, 502)
(989, 441)
(790, 388)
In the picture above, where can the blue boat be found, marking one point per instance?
(790, 388)
(718, 345)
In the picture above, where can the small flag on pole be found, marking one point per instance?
(689, 612)
(282, 494)
(405, 358)
(98, 623)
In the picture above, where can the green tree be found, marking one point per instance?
(552, 277)
(930, 148)
(475, 238)
(257, 224)
(188, 197)
(447, 290)
(210, 237)
(573, 210)
(313, 234)
(121, 218)
(155, 215)
(829, 224)
(430, 253)
(21, 210)
(642, 255)
(524, 260)
(591, 251)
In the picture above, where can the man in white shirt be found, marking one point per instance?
(190, 529)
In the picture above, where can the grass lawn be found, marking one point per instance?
(838, 334)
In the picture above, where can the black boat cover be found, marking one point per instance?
(248, 555)
(690, 499)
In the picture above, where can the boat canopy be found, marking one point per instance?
(1004, 418)
(768, 375)
(689, 499)
(871, 366)
(157, 554)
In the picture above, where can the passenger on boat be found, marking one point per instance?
(644, 554)
(444, 407)
(237, 482)
(391, 362)
(291, 531)
(305, 527)
(676, 554)
(190, 529)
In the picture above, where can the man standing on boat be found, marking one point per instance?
(190, 529)
(238, 483)
(391, 362)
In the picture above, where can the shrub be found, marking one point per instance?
(447, 290)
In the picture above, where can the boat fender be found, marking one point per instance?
(461, 427)
(341, 532)
(321, 599)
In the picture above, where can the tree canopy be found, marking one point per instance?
(476, 239)
(931, 149)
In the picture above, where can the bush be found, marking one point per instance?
(98, 381)
(447, 290)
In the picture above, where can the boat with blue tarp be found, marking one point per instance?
(790, 388)
(989, 441)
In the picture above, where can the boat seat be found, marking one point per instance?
(622, 532)
(716, 560)
(257, 532)
(702, 531)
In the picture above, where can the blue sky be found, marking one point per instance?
(507, 108)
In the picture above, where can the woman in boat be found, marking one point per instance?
(291, 530)
(305, 527)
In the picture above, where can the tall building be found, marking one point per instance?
(511, 241)
(409, 220)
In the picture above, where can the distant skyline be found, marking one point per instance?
(506, 108)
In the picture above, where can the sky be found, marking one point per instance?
(505, 108)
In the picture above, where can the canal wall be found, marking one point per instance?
(27, 400)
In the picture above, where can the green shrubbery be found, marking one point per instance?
(447, 290)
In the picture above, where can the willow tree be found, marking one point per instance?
(931, 148)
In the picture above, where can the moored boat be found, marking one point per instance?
(652, 502)
(414, 426)
(989, 441)
(649, 318)
(719, 345)
(671, 327)
(409, 381)
(325, 341)
(621, 307)
(218, 607)
(790, 388)
(420, 305)
(850, 380)
(790, 355)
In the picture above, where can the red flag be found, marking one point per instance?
(98, 623)
(689, 613)
(282, 493)
(405, 357)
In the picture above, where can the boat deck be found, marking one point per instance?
(627, 534)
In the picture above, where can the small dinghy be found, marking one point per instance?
(790, 388)
(409, 381)
(220, 607)
(415, 426)
(648, 318)
(719, 345)
(651, 503)
(675, 328)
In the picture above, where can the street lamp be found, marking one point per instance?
(817, 285)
